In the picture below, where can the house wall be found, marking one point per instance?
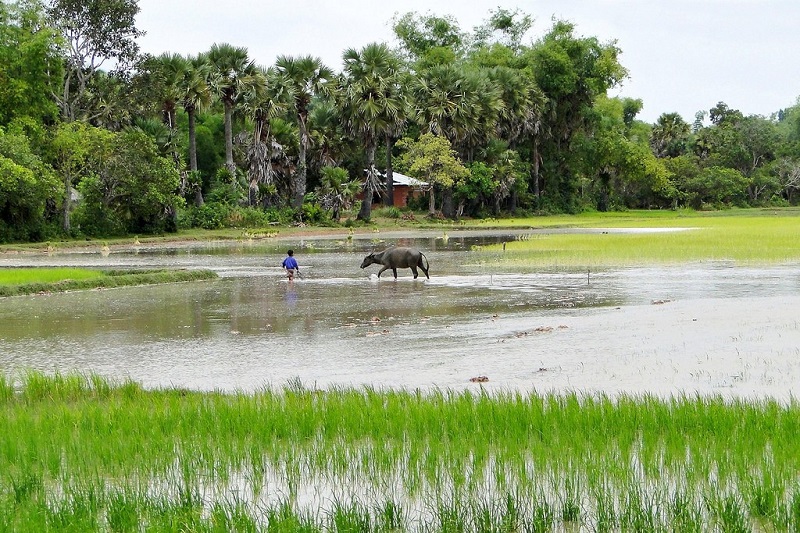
(401, 195)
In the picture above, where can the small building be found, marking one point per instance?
(403, 187)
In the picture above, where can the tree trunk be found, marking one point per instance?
(448, 208)
(366, 204)
(229, 164)
(432, 203)
(67, 201)
(389, 199)
(198, 191)
(300, 176)
(536, 191)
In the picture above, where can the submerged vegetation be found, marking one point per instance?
(18, 281)
(82, 453)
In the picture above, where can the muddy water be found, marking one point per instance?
(707, 327)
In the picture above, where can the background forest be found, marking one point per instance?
(97, 139)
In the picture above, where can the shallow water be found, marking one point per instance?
(706, 327)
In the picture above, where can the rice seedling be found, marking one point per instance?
(22, 276)
(745, 239)
(15, 282)
(79, 450)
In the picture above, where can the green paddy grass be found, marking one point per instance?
(23, 276)
(81, 453)
(19, 281)
(755, 238)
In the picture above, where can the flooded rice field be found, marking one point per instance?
(708, 328)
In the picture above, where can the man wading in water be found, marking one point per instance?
(290, 264)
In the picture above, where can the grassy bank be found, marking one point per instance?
(18, 281)
(84, 454)
(741, 237)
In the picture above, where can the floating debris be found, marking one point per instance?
(479, 379)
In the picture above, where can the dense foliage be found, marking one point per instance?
(212, 140)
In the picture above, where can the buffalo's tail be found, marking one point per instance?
(427, 265)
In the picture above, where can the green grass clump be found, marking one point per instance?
(19, 281)
(80, 451)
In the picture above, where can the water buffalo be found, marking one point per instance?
(395, 258)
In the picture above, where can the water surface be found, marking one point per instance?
(704, 327)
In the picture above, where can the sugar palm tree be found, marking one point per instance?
(229, 66)
(307, 77)
(669, 136)
(457, 104)
(370, 103)
(194, 96)
(165, 72)
(267, 95)
(337, 190)
(521, 118)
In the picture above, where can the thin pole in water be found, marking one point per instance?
(588, 270)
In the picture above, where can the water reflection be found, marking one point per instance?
(340, 325)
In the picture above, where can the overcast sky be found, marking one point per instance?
(683, 56)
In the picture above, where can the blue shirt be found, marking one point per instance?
(290, 262)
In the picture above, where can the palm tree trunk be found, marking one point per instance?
(536, 191)
(192, 140)
(366, 204)
(198, 191)
(389, 199)
(300, 175)
(229, 164)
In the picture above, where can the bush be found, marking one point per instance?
(314, 214)
(389, 212)
(281, 215)
(247, 217)
(209, 215)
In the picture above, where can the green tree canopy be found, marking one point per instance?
(28, 189)
(432, 159)
(29, 62)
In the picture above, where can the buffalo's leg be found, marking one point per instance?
(385, 268)
(394, 270)
(414, 270)
(424, 270)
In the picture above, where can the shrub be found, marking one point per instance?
(209, 215)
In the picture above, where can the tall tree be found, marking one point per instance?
(229, 67)
(267, 96)
(194, 96)
(29, 61)
(571, 71)
(94, 32)
(432, 159)
(670, 136)
(27, 186)
(371, 103)
(429, 40)
(459, 104)
(76, 150)
(308, 77)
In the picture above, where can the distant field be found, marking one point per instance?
(743, 237)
